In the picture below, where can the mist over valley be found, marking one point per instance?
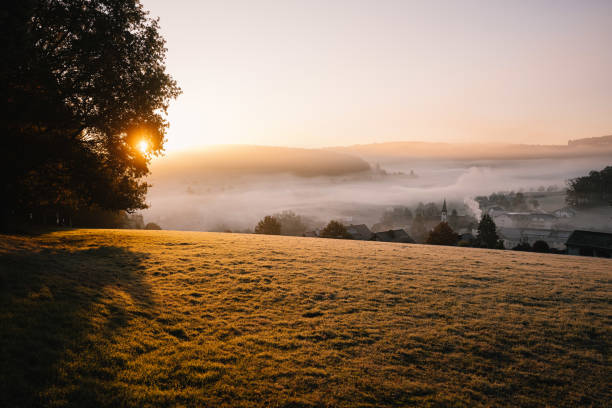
(224, 188)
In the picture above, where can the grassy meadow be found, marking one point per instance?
(160, 318)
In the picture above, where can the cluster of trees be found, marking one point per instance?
(421, 220)
(402, 216)
(335, 229)
(441, 234)
(487, 237)
(396, 216)
(509, 201)
(592, 190)
(288, 223)
(84, 88)
(284, 223)
(538, 246)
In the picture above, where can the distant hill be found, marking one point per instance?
(478, 151)
(244, 159)
(592, 141)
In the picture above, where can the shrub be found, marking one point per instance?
(335, 229)
(442, 234)
(269, 226)
(540, 246)
(523, 246)
(152, 226)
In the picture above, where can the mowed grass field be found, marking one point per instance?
(160, 318)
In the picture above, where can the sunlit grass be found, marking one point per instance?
(137, 318)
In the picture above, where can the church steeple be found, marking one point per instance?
(444, 216)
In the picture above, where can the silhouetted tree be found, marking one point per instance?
(82, 84)
(540, 246)
(152, 226)
(335, 229)
(268, 225)
(487, 232)
(442, 234)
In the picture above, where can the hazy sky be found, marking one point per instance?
(319, 73)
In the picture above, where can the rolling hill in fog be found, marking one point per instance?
(580, 148)
(166, 318)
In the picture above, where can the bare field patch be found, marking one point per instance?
(163, 318)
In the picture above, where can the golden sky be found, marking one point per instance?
(316, 73)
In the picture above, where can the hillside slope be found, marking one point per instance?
(152, 318)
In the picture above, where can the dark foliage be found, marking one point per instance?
(487, 233)
(523, 246)
(510, 201)
(592, 190)
(83, 82)
(442, 234)
(152, 226)
(540, 246)
(269, 226)
(335, 229)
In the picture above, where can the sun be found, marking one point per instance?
(143, 146)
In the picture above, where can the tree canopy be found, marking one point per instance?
(268, 225)
(594, 189)
(84, 90)
(541, 246)
(442, 234)
(487, 232)
(335, 229)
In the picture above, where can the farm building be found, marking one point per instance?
(590, 243)
(515, 236)
(359, 231)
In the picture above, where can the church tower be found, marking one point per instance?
(444, 216)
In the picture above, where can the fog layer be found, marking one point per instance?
(232, 187)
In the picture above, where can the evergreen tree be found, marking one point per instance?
(487, 232)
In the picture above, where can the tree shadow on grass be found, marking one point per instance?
(55, 303)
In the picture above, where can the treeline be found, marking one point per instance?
(508, 201)
(592, 190)
(86, 218)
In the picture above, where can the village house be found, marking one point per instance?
(590, 243)
(515, 236)
(565, 212)
(359, 231)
